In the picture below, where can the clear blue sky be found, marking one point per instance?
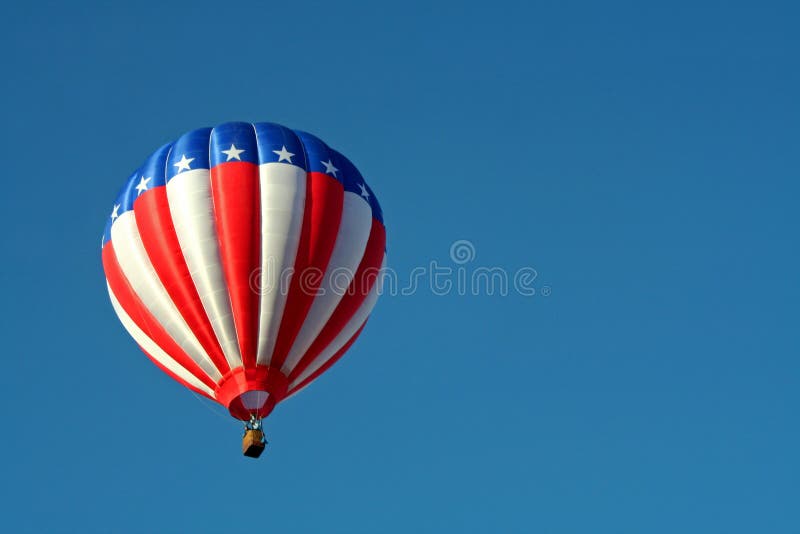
(644, 160)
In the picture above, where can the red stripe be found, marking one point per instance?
(365, 277)
(158, 235)
(321, 218)
(139, 314)
(175, 377)
(235, 191)
(328, 364)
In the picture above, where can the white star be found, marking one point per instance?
(283, 154)
(142, 187)
(364, 192)
(233, 153)
(329, 168)
(183, 164)
(114, 213)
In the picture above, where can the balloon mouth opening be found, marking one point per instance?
(251, 392)
(254, 403)
(254, 399)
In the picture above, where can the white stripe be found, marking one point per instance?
(351, 241)
(141, 275)
(283, 196)
(153, 349)
(352, 326)
(192, 209)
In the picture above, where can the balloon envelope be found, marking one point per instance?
(244, 261)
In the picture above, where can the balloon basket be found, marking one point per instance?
(253, 443)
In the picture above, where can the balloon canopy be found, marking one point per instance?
(245, 260)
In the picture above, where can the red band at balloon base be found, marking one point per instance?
(240, 380)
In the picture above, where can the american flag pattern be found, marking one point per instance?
(244, 261)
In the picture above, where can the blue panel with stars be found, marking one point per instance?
(123, 203)
(350, 176)
(115, 210)
(355, 183)
(278, 144)
(153, 171)
(319, 155)
(129, 193)
(107, 232)
(233, 141)
(189, 152)
(377, 212)
(257, 143)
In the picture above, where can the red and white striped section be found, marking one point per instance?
(283, 196)
(192, 210)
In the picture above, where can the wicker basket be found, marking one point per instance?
(253, 443)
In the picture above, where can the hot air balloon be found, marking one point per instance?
(244, 260)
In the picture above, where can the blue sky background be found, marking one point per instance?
(643, 159)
